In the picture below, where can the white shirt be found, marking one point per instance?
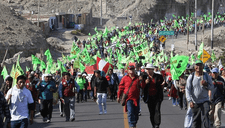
(19, 103)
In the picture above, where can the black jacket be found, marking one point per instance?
(159, 80)
(218, 92)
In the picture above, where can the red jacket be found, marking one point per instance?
(134, 92)
(32, 89)
(68, 89)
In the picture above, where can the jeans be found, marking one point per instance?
(46, 109)
(20, 123)
(175, 101)
(132, 113)
(69, 107)
(201, 115)
(101, 101)
(188, 118)
(154, 106)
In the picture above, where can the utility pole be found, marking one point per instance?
(212, 23)
(101, 13)
(196, 25)
(38, 12)
(188, 24)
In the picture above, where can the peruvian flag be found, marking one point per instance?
(102, 65)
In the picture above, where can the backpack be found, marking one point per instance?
(192, 77)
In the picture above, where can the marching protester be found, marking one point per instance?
(7, 85)
(154, 90)
(217, 98)
(46, 89)
(130, 85)
(113, 84)
(30, 85)
(197, 88)
(101, 87)
(81, 82)
(86, 93)
(21, 104)
(4, 110)
(181, 83)
(67, 95)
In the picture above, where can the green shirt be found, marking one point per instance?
(80, 81)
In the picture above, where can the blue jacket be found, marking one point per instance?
(44, 92)
(61, 88)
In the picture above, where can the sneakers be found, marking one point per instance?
(61, 114)
(45, 119)
(139, 114)
(105, 111)
(48, 121)
(100, 113)
(72, 119)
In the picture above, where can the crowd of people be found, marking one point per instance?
(199, 90)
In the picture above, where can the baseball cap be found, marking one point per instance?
(206, 68)
(216, 70)
(198, 62)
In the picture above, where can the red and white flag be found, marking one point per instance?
(102, 65)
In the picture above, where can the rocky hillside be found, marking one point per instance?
(18, 34)
(140, 10)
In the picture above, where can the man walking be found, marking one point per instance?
(46, 89)
(4, 110)
(218, 98)
(197, 88)
(101, 87)
(21, 104)
(154, 92)
(130, 85)
(113, 84)
(67, 96)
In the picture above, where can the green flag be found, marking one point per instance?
(76, 64)
(35, 66)
(62, 67)
(92, 61)
(48, 55)
(35, 60)
(43, 65)
(200, 52)
(178, 66)
(213, 57)
(12, 73)
(74, 50)
(18, 70)
(82, 67)
(85, 56)
(4, 72)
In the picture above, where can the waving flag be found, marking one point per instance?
(102, 65)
